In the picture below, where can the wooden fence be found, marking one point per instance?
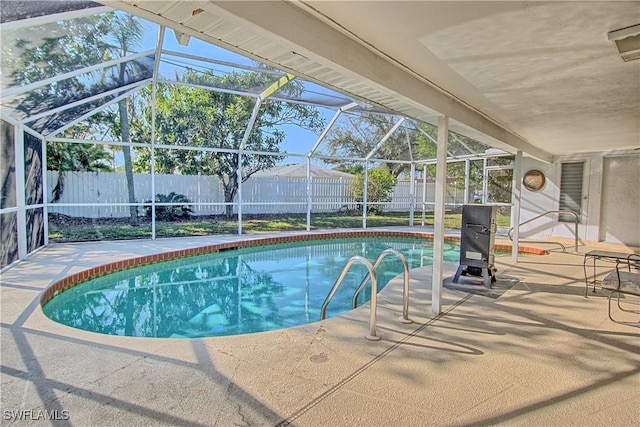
(260, 195)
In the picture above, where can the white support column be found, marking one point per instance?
(424, 194)
(485, 181)
(412, 194)
(467, 173)
(152, 156)
(45, 194)
(516, 198)
(439, 211)
(412, 185)
(239, 193)
(309, 193)
(21, 214)
(364, 194)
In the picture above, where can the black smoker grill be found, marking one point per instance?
(477, 243)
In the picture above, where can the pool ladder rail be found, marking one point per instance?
(372, 336)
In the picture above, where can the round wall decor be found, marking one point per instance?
(533, 180)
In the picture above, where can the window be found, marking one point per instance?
(571, 190)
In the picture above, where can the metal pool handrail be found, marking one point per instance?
(405, 296)
(374, 293)
(575, 231)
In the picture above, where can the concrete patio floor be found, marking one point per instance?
(542, 354)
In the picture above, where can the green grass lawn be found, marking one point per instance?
(75, 229)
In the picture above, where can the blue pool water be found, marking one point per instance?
(233, 292)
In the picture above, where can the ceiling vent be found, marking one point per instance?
(627, 40)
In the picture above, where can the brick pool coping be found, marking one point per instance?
(114, 267)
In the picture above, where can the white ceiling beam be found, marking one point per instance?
(219, 62)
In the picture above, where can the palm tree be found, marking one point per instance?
(128, 34)
(75, 157)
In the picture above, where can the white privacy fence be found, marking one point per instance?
(260, 195)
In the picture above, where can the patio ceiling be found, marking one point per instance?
(537, 76)
(59, 97)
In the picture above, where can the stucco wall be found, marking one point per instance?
(620, 218)
(618, 174)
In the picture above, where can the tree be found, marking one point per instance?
(426, 148)
(380, 185)
(198, 117)
(500, 182)
(128, 34)
(74, 157)
(71, 45)
(358, 136)
(68, 46)
(353, 169)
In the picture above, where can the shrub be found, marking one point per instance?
(170, 213)
(379, 187)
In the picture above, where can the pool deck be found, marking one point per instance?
(541, 354)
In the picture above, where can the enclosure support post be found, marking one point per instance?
(364, 194)
(516, 197)
(45, 194)
(21, 214)
(309, 195)
(424, 194)
(485, 178)
(412, 184)
(439, 212)
(412, 194)
(467, 172)
(239, 194)
(152, 166)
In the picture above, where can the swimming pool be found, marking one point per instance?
(230, 292)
